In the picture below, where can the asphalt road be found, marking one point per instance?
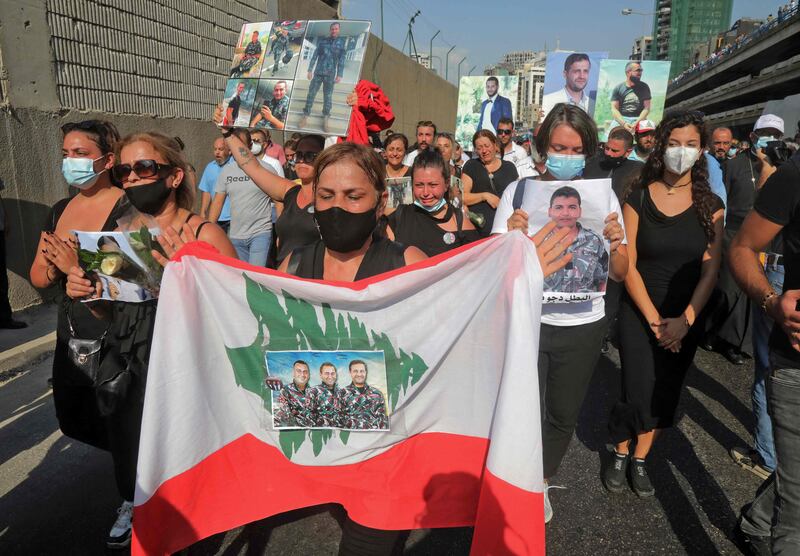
(57, 496)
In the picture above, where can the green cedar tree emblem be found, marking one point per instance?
(296, 328)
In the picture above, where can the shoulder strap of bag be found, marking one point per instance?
(519, 193)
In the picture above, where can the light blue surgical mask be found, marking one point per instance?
(762, 141)
(732, 152)
(565, 166)
(79, 172)
(435, 208)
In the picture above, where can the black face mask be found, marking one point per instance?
(611, 162)
(343, 231)
(150, 197)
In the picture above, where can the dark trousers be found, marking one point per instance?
(567, 358)
(5, 306)
(326, 82)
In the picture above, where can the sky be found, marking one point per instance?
(482, 31)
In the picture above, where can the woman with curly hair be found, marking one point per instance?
(674, 227)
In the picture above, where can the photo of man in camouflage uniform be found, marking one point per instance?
(363, 406)
(325, 70)
(588, 270)
(325, 398)
(280, 44)
(252, 53)
(273, 110)
(295, 403)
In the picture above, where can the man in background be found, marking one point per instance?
(576, 76)
(208, 183)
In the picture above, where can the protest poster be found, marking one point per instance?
(328, 389)
(462, 448)
(295, 75)
(399, 190)
(582, 206)
(476, 110)
(628, 91)
(122, 263)
(571, 77)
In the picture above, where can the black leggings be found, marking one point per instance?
(567, 358)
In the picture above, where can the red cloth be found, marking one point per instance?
(374, 113)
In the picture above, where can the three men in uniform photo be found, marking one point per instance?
(587, 272)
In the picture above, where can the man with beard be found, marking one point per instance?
(728, 325)
(588, 269)
(274, 110)
(325, 396)
(426, 132)
(721, 140)
(494, 107)
(645, 140)
(630, 100)
(576, 76)
(295, 403)
(363, 406)
(614, 162)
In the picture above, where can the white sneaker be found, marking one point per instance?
(548, 509)
(120, 534)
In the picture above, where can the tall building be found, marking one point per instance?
(679, 25)
(515, 61)
(641, 48)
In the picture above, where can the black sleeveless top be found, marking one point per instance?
(295, 226)
(414, 226)
(382, 256)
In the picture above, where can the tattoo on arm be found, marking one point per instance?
(246, 155)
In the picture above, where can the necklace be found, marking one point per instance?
(671, 188)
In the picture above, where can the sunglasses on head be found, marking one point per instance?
(307, 157)
(504, 132)
(142, 168)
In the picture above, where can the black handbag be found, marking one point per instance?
(85, 354)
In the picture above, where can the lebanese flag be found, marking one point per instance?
(459, 334)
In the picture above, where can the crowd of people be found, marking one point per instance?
(692, 233)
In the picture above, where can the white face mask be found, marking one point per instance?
(256, 148)
(680, 160)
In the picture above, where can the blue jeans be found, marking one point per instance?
(762, 327)
(775, 511)
(253, 250)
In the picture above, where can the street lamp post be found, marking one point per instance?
(459, 68)
(470, 70)
(430, 49)
(645, 15)
(447, 63)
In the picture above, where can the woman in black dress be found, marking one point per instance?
(674, 226)
(432, 224)
(156, 181)
(396, 149)
(485, 178)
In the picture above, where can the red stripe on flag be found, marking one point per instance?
(430, 480)
(203, 250)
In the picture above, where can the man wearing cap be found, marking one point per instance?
(630, 100)
(729, 321)
(645, 140)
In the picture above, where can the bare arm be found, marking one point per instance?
(712, 259)
(471, 198)
(615, 112)
(270, 183)
(205, 201)
(633, 280)
(643, 115)
(414, 255)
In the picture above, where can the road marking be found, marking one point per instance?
(30, 407)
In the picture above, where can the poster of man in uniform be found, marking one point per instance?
(482, 101)
(295, 75)
(582, 206)
(283, 49)
(328, 389)
(400, 193)
(571, 77)
(628, 92)
(327, 72)
(250, 49)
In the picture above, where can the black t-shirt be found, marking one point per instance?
(740, 177)
(779, 202)
(621, 177)
(631, 99)
(383, 255)
(415, 227)
(481, 183)
(234, 106)
(295, 226)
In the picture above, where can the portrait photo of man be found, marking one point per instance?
(272, 111)
(630, 100)
(587, 272)
(295, 403)
(577, 67)
(326, 408)
(494, 107)
(363, 406)
(249, 59)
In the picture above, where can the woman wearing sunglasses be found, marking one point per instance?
(484, 179)
(88, 151)
(155, 179)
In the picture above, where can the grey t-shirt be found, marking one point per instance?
(251, 208)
